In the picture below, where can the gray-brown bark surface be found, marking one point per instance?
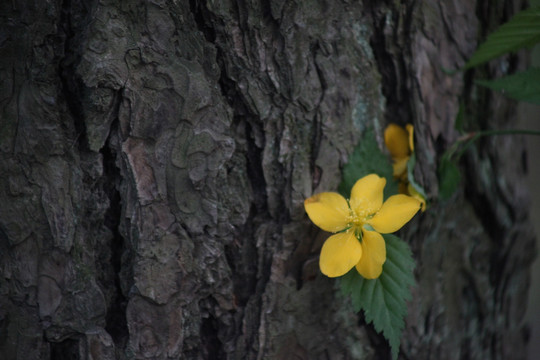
(155, 157)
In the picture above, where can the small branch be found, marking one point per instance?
(471, 137)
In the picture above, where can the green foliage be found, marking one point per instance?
(449, 178)
(366, 159)
(523, 86)
(522, 30)
(384, 300)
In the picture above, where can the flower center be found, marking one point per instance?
(357, 220)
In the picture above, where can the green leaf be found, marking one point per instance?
(523, 86)
(449, 178)
(366, 159)
(384, 300)
(521, 31)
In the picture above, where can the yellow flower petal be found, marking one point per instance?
(410, 130)
(397, 141)
(328, 210)
(395, 212)
(373, 255)
(339, 254)
(400, 167)
(367, 195)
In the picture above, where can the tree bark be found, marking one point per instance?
(155, 157)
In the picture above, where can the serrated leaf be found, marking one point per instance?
(449, 178)
(384, 300)
(523, 86)
(367, 158)
(521, 31)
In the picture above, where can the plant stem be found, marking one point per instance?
(505, 132)
(471, 137)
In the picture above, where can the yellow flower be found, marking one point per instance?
(400, 144)
(358, 224)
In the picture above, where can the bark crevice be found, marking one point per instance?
(116, 322)
(73, 21)
(387, 41)
(65, 350)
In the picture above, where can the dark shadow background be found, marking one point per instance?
(530, 119)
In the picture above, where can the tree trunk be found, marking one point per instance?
(155, 157)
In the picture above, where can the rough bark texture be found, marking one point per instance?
(155, 157)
